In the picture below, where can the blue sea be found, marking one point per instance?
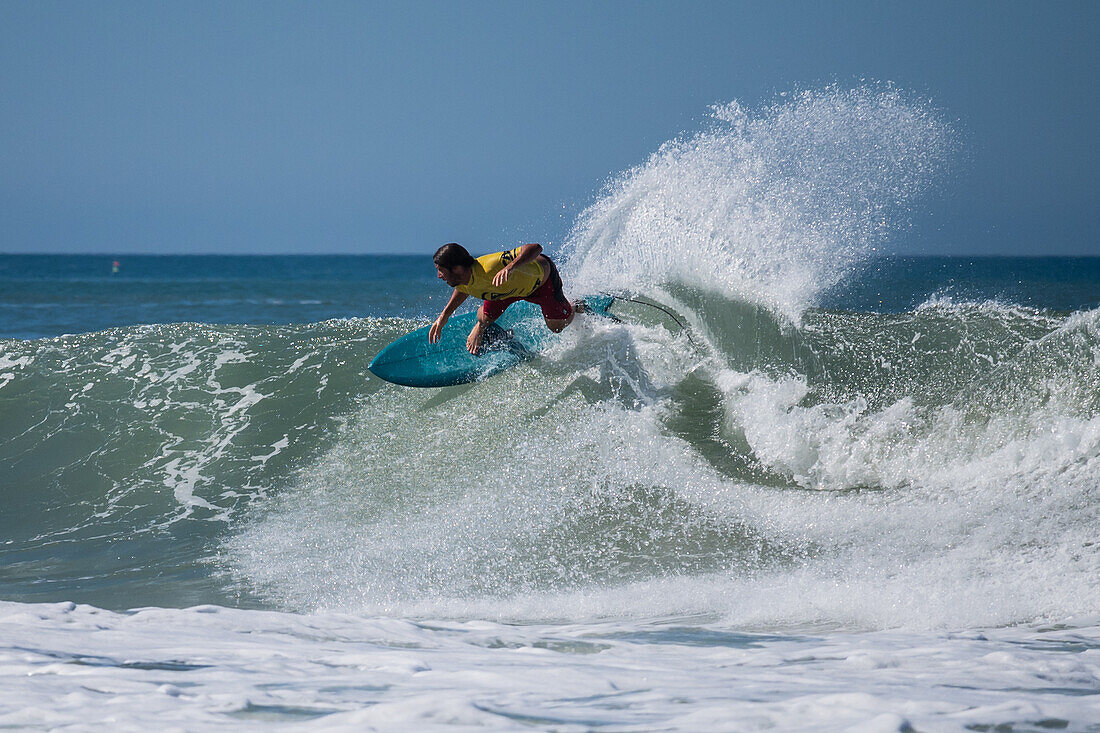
(805, 484)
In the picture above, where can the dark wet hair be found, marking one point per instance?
(451, 255)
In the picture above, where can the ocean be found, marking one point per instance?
(822, 487)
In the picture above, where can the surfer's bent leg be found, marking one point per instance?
(556, 308)
(490, 310)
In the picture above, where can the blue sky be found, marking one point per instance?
(277, 127)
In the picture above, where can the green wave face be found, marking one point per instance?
(125, 452)
(189, 463)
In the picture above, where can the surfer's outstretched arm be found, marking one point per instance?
(457, 298)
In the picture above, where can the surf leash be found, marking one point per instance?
(664, 310)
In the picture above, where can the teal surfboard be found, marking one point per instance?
(519, 334)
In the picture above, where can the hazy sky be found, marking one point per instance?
(278, 127)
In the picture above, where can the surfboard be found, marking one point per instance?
(519, 334)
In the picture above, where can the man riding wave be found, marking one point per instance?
(500, 279)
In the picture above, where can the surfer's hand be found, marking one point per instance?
(436, 329)
(502, 277)
(473, 342)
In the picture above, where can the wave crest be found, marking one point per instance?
(773, 207)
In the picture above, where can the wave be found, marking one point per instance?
(949, 448)
(772, 464)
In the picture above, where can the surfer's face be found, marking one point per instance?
(453, 277)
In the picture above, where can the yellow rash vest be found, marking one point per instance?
(522, 281)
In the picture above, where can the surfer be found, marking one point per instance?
(500, 279)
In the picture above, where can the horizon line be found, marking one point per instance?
(428, 254)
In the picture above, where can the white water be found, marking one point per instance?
(770, 208)
(78, 668)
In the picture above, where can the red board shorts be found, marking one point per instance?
(548, 296)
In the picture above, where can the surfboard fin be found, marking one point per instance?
(597, 304)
